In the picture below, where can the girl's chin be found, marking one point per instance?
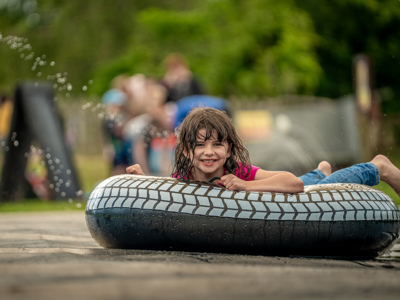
(204, 175)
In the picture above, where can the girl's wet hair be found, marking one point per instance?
(209, 119)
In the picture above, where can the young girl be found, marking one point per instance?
(209, 146)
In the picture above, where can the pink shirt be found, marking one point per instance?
(252, 174)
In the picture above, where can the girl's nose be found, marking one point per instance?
(209, 149)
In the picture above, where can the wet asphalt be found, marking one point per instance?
(51, 255)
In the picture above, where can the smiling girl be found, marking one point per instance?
(209, 148)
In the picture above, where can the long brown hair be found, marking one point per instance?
(209, 119)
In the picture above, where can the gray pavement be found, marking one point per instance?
(52, 256)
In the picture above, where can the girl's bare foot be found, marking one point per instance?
(388, 172)
(325, 167)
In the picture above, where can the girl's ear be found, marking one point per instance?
(228, 152)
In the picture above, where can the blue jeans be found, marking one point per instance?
(366, 173)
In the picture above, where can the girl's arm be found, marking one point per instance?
(135, 169)
(265, 181)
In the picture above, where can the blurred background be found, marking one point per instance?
(304, 81)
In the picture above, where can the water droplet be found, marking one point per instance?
(16, 143)
(84, 88)
(52, 63)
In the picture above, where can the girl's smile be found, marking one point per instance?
(209, 156)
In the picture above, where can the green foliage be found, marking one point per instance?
(350, 27)
(78, 36)
(259, 51)
(243, 48)
(255, 47)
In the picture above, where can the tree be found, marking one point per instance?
(257, 47)
(350, 27)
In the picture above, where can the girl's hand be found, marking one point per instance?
(135, 169)
(231, 182)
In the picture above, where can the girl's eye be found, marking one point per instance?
(199, 144)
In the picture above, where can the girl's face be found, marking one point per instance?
(209, 156)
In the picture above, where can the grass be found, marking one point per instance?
(31, 205)
(92, 169)
(394, 156)
(388, 191)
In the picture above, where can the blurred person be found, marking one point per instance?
(178, 79)
(118, 150)
(136, 90)
(150, 123)
(185, 105)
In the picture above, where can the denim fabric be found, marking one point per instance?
(312, 177)
(366, 173)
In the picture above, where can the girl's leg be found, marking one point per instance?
(315, 176)
(366, 173)
(389, 173)
(380, 168)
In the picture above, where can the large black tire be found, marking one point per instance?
(338, 220)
